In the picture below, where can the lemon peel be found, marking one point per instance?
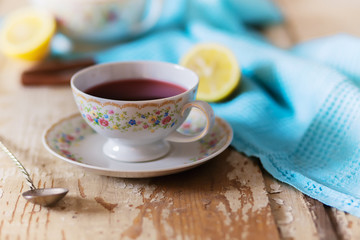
(217, 68)
(26, 33)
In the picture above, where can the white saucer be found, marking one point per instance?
(72, 140)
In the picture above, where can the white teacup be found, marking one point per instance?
(103, 21)
(138, 131)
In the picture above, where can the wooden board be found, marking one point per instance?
(230, 197)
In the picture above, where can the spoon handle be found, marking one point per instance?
(20, 166)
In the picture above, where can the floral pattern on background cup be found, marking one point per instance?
(103, 21)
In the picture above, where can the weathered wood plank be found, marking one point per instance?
(224, 199)
(6, 5)
(279, 36)
(290, 211)
(346, 225)
(322, 221)
(309, 19)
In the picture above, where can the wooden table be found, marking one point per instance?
(230, 197)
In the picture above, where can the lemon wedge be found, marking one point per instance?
(26, 33)
(217, 68)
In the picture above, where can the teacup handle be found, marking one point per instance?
(206, 109)
(152, 17)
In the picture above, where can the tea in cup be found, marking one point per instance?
(138, 106)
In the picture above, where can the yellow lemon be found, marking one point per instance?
(217, 68)
(26, 33)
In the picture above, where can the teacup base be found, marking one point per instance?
(135, 153)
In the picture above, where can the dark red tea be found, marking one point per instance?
(135, 89)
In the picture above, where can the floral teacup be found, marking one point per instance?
(103, 21)
(138, 131)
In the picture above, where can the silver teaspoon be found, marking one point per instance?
(41, 196)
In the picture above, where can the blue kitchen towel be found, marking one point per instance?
(297, 110)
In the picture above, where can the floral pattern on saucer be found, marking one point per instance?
(62, 141)
(74, 141)
(70, 135)
(210, 143)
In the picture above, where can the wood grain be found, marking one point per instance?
(230, 197)
(290, 211)
(310, 19)
(224, 199)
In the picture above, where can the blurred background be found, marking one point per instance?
(309, 19)
(304, 19)
(94, 25)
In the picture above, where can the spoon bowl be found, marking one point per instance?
(41, 196)
(45, 196)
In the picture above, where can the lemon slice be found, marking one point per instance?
(217, 68)
(26, 33)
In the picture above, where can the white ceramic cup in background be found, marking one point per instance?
(138, 131)
(103, 21)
